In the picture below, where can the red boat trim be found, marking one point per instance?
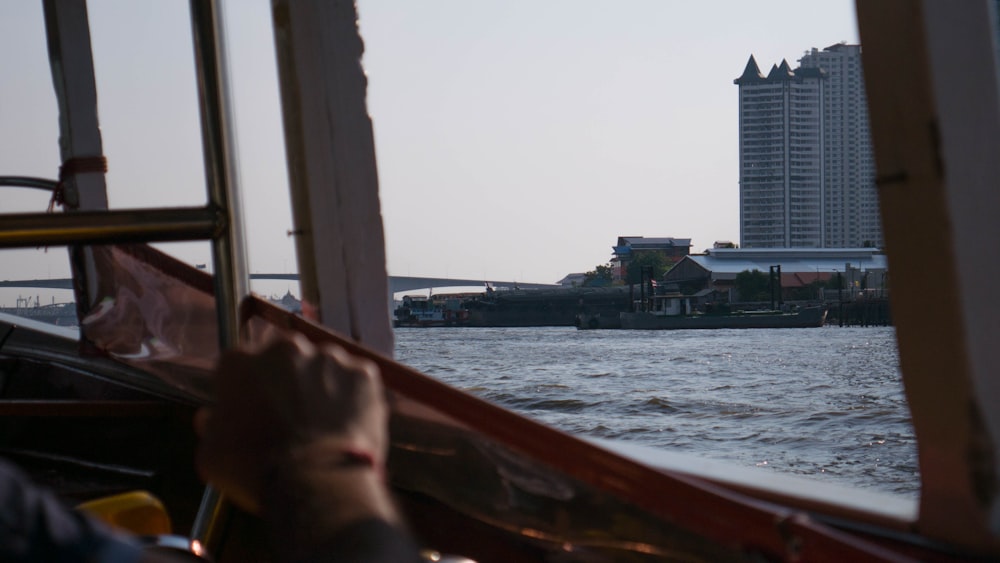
(686, 502)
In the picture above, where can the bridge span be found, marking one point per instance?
(410, 283)
(407, 283)
(396, 283)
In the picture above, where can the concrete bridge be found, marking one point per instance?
(396, 283)
(409, 283)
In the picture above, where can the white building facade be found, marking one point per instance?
(806, 167)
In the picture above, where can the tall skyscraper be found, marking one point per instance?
(806, 167)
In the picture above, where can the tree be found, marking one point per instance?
(653, 259)
(753, 285)
(598, 277)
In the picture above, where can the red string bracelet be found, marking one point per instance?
(358, 457)
(363, 458)
(352, 457)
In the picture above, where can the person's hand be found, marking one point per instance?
(292, 411)
(298, 435)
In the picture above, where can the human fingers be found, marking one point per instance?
(370, 423)
(248, 426)
(342, 402)
(334, 389)
(365, 375)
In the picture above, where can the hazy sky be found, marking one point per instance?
(515, 139)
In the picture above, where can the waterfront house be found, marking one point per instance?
(627, 248)
(859, 270)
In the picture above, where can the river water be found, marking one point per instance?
(825, 402)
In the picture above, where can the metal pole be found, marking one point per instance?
(642, 286)
(770, 285)
(218, 141)
(781, 300)
(221, 175)
(104, 227)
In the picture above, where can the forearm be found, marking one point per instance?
(298, 435)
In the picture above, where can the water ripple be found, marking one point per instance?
(826, 403)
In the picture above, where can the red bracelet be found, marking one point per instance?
(340, 459)
(357, 457)
(362, 458)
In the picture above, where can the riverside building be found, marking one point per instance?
(806, 167)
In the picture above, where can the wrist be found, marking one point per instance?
(315, 491)
(324, 456)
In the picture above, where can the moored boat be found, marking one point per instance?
(675, 312)
(420, 311)
(672, 312)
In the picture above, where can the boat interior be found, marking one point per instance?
(107, 408)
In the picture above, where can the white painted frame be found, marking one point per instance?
(935, 113)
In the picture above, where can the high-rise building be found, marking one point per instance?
(806, 167)
(851, 216)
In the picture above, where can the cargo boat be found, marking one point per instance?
(418, 311)
(673, 312)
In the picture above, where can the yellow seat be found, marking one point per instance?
(138, 512)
